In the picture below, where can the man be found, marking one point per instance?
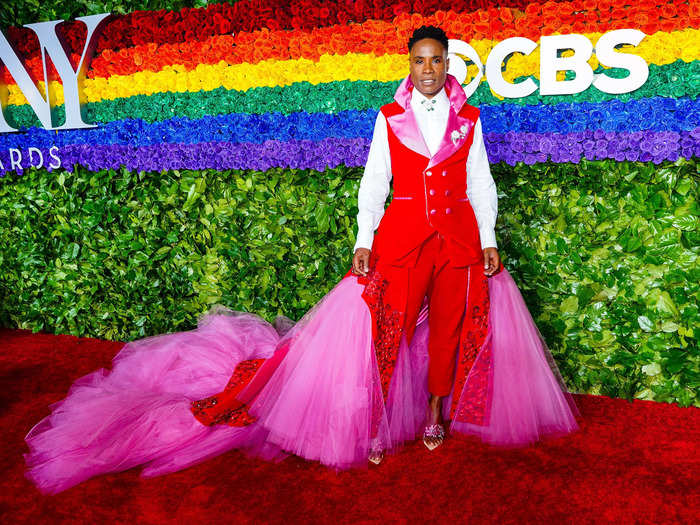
(438, 231)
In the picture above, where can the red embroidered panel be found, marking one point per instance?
(473, 408)
(387, 325)
(474, 330)
(224, 408)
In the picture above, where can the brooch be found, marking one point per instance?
(457, 135)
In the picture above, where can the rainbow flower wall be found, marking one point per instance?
(179, 86)
(241, 131)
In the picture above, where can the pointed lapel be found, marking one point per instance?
(404, 125)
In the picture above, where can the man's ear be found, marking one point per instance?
(447, 63)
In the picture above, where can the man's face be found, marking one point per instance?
(429, 63)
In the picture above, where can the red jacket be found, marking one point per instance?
(430, 193)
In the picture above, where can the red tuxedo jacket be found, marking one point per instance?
(430, 193)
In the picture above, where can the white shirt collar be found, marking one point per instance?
(441, 100)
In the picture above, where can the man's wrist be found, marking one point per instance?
(488, 239)
(362, 243)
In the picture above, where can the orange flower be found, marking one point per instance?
(565, 29)
(640, 19)
(495, 26)
(651, 28)
(619, 13)
(578, 27)
(563, 9)
(593, 27)
(668, 11)
(591, 16)
(683, 10)
(509, 32)
(481, 27)
(295, 48)
(549, 6)
(550, 20)
(506, 15)
(577, 6)
(404, 25)
(466, 18)
(669, 25)
(440, 17)
(533, 10)
(523, 24)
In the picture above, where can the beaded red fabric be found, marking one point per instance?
(224, 408)
(387, 325)
(474, 330)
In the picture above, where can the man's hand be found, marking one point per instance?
(492, 261)
(360, 262)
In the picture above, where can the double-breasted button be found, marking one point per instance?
(428, 173)
(444, 173)
(448, 210)
(433, 212)
(447, 193)
(432, 192)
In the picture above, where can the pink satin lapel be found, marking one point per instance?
(405, 126)
(403, 93)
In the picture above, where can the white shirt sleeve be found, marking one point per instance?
(481, 189)
(374, 185)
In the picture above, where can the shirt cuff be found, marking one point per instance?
(364, 240)
(488, 238)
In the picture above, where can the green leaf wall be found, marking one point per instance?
(606, 254)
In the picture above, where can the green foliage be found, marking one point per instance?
(606, 255)
(123, 255)
(604, 252)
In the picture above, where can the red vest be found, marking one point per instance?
(428, 198)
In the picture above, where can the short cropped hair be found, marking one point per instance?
(428, 32)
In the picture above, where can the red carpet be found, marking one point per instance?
(630, 463)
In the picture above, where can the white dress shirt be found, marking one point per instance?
(374, 186)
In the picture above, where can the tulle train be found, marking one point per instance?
(323, 402)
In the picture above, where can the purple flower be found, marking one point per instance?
(530, 159)
(632, 154)
(518, 145)
(546, 143)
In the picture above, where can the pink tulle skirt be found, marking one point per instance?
(323, 402)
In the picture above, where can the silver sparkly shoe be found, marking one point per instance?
(376, 457)
(376, 452)
(433, 431)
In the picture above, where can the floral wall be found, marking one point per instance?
(229, 144)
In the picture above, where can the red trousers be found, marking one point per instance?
(445, 287)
